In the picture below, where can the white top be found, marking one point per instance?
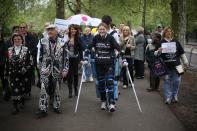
(17, 49)
(115, 35)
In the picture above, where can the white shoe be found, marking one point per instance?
(83, 80)
(175, 99)
(112, 108)
(103, 106)
(124, 86)
(168, 101)
(91, 79)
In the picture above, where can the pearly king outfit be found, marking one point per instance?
(53, 60)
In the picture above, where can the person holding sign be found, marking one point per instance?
(172, 52)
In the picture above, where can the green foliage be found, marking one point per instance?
(191, 14)
(37, 12)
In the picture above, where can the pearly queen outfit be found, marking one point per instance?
(53, 60)
(18, 63)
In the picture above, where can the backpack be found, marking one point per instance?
(112, 33)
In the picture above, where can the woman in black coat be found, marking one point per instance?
(75, 57)
(18, 63)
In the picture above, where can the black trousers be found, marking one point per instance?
(154, 81)
(73, 74)
(2, 77)
(4, 84)
(139, 68)
(124, 71)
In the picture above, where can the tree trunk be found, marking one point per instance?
(90, 13)
(179, 20)
(144, 15)
(78, 6)
(60, 9)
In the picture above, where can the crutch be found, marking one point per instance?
(79, 90)
(133, 89)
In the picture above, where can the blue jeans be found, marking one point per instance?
(93, 67)
(88, 71)
(171, 84)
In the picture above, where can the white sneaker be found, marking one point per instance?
(112, 108)
(103, 106)
(168, 101)
(83, 79)
(124, 86)
(91, 79)
(175, 99)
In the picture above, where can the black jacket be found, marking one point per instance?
(172, 59)
(31, 42)
(104, 48)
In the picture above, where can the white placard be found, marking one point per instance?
(169, 47)
(61, 24)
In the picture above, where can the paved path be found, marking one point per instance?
(156, 115)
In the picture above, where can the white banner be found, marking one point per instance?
(61, 24)
(169, 47)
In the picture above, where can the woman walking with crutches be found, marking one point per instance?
(104, 45)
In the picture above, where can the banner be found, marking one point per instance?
(169, 47)
(61, 24)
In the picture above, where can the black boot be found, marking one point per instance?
(15, 110)
(22, 106)
(70, 92)
(57, 110)
(76, 91)
(41, 114)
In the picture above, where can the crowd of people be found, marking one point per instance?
(106, 57)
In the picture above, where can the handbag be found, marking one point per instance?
(159, 67)
(180, 69)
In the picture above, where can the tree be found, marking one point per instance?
(74, 7)
(179, 20)
(144, 15)
(60, 9)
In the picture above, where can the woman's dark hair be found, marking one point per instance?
(17, 35)
(112, 25)
(76, 27)
(157, 36)
(15, 27)
(76, 37)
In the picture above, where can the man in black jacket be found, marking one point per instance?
(30, 42)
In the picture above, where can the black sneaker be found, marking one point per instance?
(15, 111)
(70, 96)
(57, 110)
(76, 92)
(41, 114)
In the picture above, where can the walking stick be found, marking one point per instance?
(79, 90)
(134, 89)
